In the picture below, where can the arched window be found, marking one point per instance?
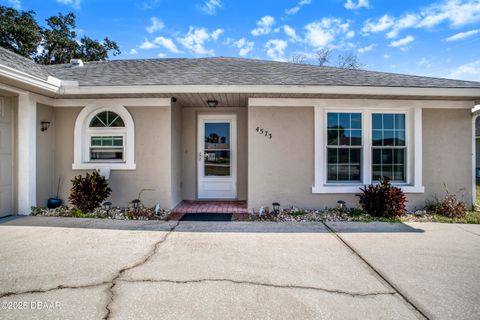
(104, 138)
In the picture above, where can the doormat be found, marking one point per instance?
(207, 217)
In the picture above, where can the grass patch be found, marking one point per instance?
(472, 217)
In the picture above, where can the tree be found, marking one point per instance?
(57, 43)
(20, 32)
(323, 57)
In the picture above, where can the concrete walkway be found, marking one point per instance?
(100, 269)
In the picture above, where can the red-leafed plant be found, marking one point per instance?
(383, 199)
(89, 192)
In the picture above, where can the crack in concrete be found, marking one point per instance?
(146, 258)
(466, 230)
(263, 284)
(379, 274)
(60, 287)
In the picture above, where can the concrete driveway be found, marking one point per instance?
(97, 269)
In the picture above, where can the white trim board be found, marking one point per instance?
(358, 103)
(281, 89)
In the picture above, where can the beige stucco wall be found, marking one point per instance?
(152, 157)
(189, 150)
(46, 179)
(282, 168)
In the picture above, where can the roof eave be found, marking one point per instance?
(30, 82)
(470, 93)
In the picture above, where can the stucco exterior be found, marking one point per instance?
(153, 157)
(281, 169)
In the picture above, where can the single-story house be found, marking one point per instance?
(230, 128)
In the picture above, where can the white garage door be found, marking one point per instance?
(6, 177)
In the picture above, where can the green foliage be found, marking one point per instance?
(58, 41)
(89, 192)
(36, 211)
(356, 212)
(383, 199)
(20, 32)
(449, 206)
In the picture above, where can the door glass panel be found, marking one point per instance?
(217, 149)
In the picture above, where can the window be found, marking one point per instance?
(389, 149)
(106, 132)
(104, 138)
(344, 146)
(355, 148)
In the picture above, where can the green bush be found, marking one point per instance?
(383, 199)
(89, 192)
(449, 206)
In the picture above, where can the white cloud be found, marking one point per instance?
(463, 35)
(245, 46)
(196, 38)
(161, 55)
(276, 49)
(295, 9)
(210, 6)
(290, 32)
(264, 26)
(402, 42)
(17, 4)
(167, 43)
(405, 22)
(351, 5)
(216, 33)
(155, 25)
(456, 13)
(381, 24)
(468, 71)
(322, 33)
(133, 51)
(366, 49)
(73, 3)
(146, 45)
(386, 56)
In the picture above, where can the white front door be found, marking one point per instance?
(217, 156)
(6, 177)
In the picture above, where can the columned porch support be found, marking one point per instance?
(27, 153)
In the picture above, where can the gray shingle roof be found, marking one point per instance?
(236, 71)
(20, 63)
(219, 71)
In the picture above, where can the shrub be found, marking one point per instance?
(89, 192)
(383, 199)
(448, 206)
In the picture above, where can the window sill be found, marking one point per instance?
(349, 188)
(112, 166)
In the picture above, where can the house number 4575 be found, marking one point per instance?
(264, 132)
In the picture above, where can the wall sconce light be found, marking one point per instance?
(212, 103)
(45, 125)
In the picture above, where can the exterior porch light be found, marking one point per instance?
(212, 103)
(276, 208)
(44, 125)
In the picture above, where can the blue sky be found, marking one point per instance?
(434, 38)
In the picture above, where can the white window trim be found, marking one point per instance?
(414, 150)
(82, 136)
